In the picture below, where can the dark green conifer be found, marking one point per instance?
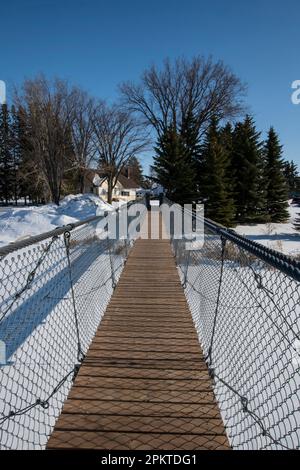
(276, 193)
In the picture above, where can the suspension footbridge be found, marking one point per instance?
(144, 383)
(134, 343)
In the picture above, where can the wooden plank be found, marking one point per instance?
(161, 335)
(144, 355)
(155, 347)
(137, 408)
(143, 424)
(138, 373)
(144, 384)
(142, 395)
(146, 364)
(136, 441)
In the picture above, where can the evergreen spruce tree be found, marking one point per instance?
(190, 137)
(6, 158)
(226, 136)
(247, 165)
(292, 178)
(172, 167)
(274, 180)
(134, 171)
(216, 185)
(16, 151)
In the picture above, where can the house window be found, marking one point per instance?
(125, 193)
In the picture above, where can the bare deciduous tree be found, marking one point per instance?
(200, 87)
(83, 137)
(50, 109)
(119, 136)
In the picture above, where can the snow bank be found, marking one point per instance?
(281, 237)
(18, 223)
(117, 204)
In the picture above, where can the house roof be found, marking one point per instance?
(90, 173)
(127, 183)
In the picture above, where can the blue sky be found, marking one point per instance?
(98, 44)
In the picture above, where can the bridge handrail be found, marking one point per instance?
(281, 261)
(245, 303)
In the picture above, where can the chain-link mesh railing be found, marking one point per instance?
(54, 290)
(244, 300)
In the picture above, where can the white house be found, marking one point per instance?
(125, 189)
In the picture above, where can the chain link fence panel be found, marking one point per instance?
(54, 292)
(244, 299)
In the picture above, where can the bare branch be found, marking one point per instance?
(199, 87)
(119, 136)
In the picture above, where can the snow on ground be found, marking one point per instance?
(280, 237)
(117, 204)
(18, 223)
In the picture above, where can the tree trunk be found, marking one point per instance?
(16, 191)
(55, 194)
(81, 183)
(109, 191)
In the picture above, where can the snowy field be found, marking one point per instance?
(279, 237)
(19, 223)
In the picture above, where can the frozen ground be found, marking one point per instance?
(18, 223)
(280, 237)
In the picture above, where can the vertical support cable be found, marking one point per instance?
(208, 357)
(80, 353)
(113, 277)
(186, 268)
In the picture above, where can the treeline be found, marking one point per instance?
(11, 184)
(53, 133)
(238, 176)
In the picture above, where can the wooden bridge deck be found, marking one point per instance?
(144, 383)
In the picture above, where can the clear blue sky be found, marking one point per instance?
(97, 44)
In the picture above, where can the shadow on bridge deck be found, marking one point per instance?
(144, 384)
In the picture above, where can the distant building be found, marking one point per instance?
(125, 190)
